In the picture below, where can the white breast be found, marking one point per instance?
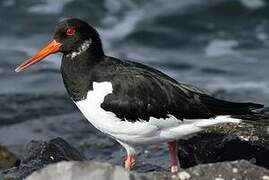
(140, 132)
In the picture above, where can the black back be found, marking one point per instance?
(141, 92)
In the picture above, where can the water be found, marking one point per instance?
(220, 46)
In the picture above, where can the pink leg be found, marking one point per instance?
(130, 162)
(173, 156)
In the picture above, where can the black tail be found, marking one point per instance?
(221, 107)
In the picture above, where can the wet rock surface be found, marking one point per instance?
(38, 154)
(95, 171)
(7, 158)
(228, 170)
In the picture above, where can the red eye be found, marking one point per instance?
(70, 32)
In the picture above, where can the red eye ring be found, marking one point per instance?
(70, 32)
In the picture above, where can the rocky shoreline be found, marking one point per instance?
(95, 171)
(210, 156)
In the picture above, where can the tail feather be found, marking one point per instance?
(221, 107)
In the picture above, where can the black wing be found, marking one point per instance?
(141, 92)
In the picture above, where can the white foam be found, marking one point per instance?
(262, 36)
(253, 4)
(115, 6)
(49, 7)
(123, 27)
(219, 47)
(120, 20)
(8, 3)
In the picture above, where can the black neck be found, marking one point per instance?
(77, 74)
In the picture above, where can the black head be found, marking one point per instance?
(73, 33)
(72, 37)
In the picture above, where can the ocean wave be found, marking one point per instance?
(49, 7)
(123, 17)
(161, 33)
(253, 4)
(8, 44)
(232, 86)
(187, 21)
(8, 3)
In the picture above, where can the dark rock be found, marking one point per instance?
(211, 148)
(95, 171)
(38, 154)
(7, 158)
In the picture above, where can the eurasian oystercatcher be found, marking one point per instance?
(133, 103)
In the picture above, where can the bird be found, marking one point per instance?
(135, 104)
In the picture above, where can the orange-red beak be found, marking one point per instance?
(51, 48)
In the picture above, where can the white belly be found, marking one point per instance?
(140, 132)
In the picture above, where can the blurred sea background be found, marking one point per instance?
(220, 46)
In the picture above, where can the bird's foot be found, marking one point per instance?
(130, 162)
